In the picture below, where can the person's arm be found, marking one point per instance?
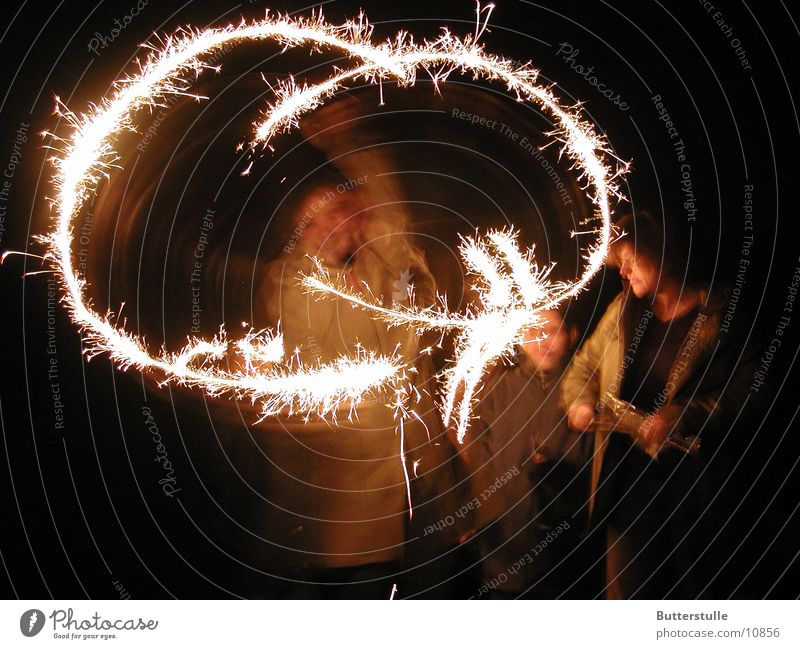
(304, 320)
(710, 403)
(580, 387)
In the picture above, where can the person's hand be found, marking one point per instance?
(538, 458)
(466, 536)
(654, 430)
(580, 416)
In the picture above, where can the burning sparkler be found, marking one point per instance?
(512, 289)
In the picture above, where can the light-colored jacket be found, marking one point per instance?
(342, 481)
(701, 385)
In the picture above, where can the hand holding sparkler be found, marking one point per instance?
(651, 431)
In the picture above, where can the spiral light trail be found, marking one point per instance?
(511, 287)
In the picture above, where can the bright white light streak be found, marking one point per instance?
(512, 292)
(89, 155)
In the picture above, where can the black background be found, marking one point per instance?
(81, 506)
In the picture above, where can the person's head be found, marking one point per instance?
(642, 257)
(328, 223)
(340, 223)
(637, 269)
(549, 353)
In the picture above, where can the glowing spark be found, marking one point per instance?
(512, 291)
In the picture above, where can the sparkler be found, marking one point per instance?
(512, 291)
(511, 287)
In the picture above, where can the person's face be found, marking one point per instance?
(638, 270)
(547, 354)
(333, 221)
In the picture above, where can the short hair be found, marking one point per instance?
(665, 246)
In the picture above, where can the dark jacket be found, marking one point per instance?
(706, 384)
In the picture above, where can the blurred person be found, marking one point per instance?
(343, 480)
(659, 348)
(388, 267)
(356, 223)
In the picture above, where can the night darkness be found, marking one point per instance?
(699, 99)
